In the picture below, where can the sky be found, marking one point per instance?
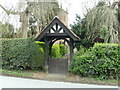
(72, 6)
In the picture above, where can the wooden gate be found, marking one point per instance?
(58, 65)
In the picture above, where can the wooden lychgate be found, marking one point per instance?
(56, 30)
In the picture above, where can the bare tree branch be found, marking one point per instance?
(9, 11)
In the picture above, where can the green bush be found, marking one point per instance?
(21, 53)
(56, 51)
(62, 49)
(100, 61)
(41, 45)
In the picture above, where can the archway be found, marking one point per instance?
(55, 40)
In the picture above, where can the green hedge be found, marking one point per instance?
(56, 51)
(62, 49)
(21, 53)
(100, 61)
(41, 46)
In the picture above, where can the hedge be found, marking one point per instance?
(56, 51)
(62, 49)
(21, 53)
(101, 61)
(41, 46)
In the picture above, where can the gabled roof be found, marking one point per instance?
(52, 23)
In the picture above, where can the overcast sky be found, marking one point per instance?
(73, 6)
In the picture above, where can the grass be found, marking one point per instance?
(95, 80)
(16, 73)
(104, 80)
(68, 78)
(112, 81)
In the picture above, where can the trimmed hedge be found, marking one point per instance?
(41, 46)
(56, 51)
(62, 49)
(101, 61)
(21, 53)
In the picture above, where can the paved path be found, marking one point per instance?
(13, 82)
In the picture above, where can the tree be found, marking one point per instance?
(32, 27)
(119, 18)
(79, 28)
(119, 11)
(42, 12)
(7, 30)
(102, 22)
(99, 22)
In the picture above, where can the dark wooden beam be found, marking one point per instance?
(60, 29)
(50, 49)
(56, 27)
(46, 50)
(53, 29)
(56, 34)
(71, 48)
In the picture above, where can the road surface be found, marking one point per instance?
(14, 82)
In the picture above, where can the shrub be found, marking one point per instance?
(62, 49)
(41, 46)
(56, 51)
(21, 53)
(100, 61)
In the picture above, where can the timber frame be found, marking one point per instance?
(56, 30)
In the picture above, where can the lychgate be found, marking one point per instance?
(56, 30)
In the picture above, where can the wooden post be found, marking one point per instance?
(46, 50)
(50, 49)
(71, 48)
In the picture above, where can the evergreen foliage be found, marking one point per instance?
(22, 53)
(101, 61)
(102, 21)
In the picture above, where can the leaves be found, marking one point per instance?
(100, 61)
(99, 22)
(21, 53)
(7, 30)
